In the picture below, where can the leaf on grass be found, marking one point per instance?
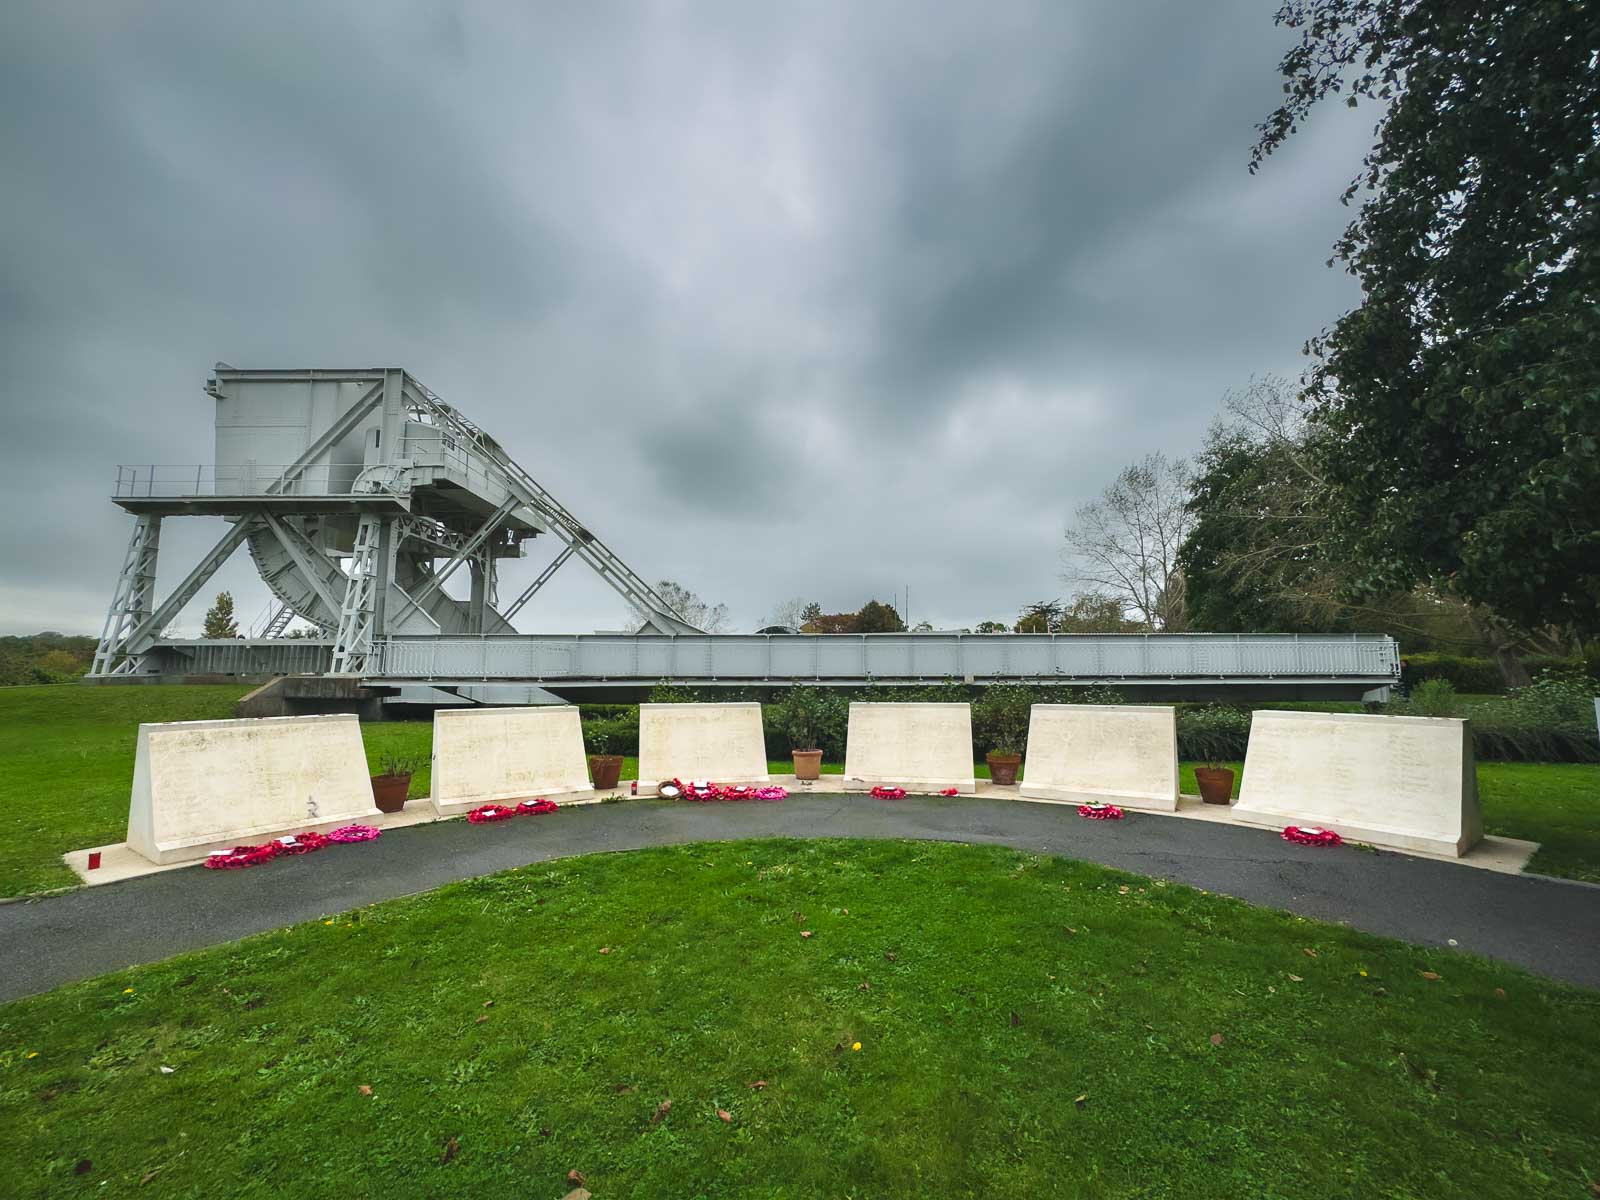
(365, 1089)
(1296, 979)
(1216, 1039)
(1015, 1020)
(450, 1149)
(890, 955)
(864, 986)
(1080, 1101)
(149, 1175)
(1308, 952)
(727, 1117)
(83, 1166)
(488, 1003)
(661, 1112)
(1500, 994)
(605, 949)
(576, 1177)
(1123, 890)
(1430, 975)
(482, 1017)
(805, 933)
(758, 1085)
(625, 1089)
(1070, 930)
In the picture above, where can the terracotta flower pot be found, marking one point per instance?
(1216, 784)
(604, 770)
(808, 764)
(1003, 768)
(389, 792)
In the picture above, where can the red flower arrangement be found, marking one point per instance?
(1311, 837)
(297, 843)
(1100, 812)
(355, 833)
(242, 856)
(703, 791)
(490, 812)
(537, 809)
(951, 792)
(302, 843)
(888, 793)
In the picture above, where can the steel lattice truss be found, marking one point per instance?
(359, 549)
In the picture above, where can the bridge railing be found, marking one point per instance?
(890, 657)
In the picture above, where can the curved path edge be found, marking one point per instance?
(1549, 926)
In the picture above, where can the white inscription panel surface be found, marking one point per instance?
(204, 785)
(722, 743)
(1408, 783)
(1127, 754)
(488, 755)
(921, 747)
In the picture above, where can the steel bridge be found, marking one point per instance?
(359, 494)
(1331, 665)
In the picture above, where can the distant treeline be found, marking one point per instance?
(44, 658)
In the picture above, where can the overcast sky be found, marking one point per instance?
(808, 299)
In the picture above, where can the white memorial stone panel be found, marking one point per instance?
(1103, 753)
(200, 786)
(1405, 783)
(719, 743)
(491, 755)
(920, 747)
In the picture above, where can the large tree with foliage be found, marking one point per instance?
(1461, 399)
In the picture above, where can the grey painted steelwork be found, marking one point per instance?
(380, 492)
(1358, 661)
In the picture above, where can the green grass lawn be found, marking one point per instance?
(1028, 1026)
(66, 765)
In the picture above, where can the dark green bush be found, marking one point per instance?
(1478, 675)
(1214, 733)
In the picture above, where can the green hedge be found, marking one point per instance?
(1551, 721)
(1478, 675)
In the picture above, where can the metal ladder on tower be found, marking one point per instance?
(352, 646)
(134, 599)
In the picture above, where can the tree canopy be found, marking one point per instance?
(1461, 399)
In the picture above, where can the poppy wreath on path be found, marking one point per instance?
(1311, 837)
(242, 856)
(703, 791)
(888, 793)
(355, 833)
(950, 792)
(537, 809)
(302, 843)
(483, 814)
(1100, 812)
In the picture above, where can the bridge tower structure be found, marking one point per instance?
(358, 494)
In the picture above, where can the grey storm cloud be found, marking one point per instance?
(822, 300)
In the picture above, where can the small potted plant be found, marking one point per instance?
(801, 716)
(1215, 783)
(605, 768)
(391, 786)
(1005, 709)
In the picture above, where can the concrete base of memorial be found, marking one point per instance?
(119, 862)
(1509, 855)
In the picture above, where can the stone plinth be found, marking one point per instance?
(723, 743)
(1405, 783)
(493, 755)
(1103, 753)
(200, 786)
(920, 747)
